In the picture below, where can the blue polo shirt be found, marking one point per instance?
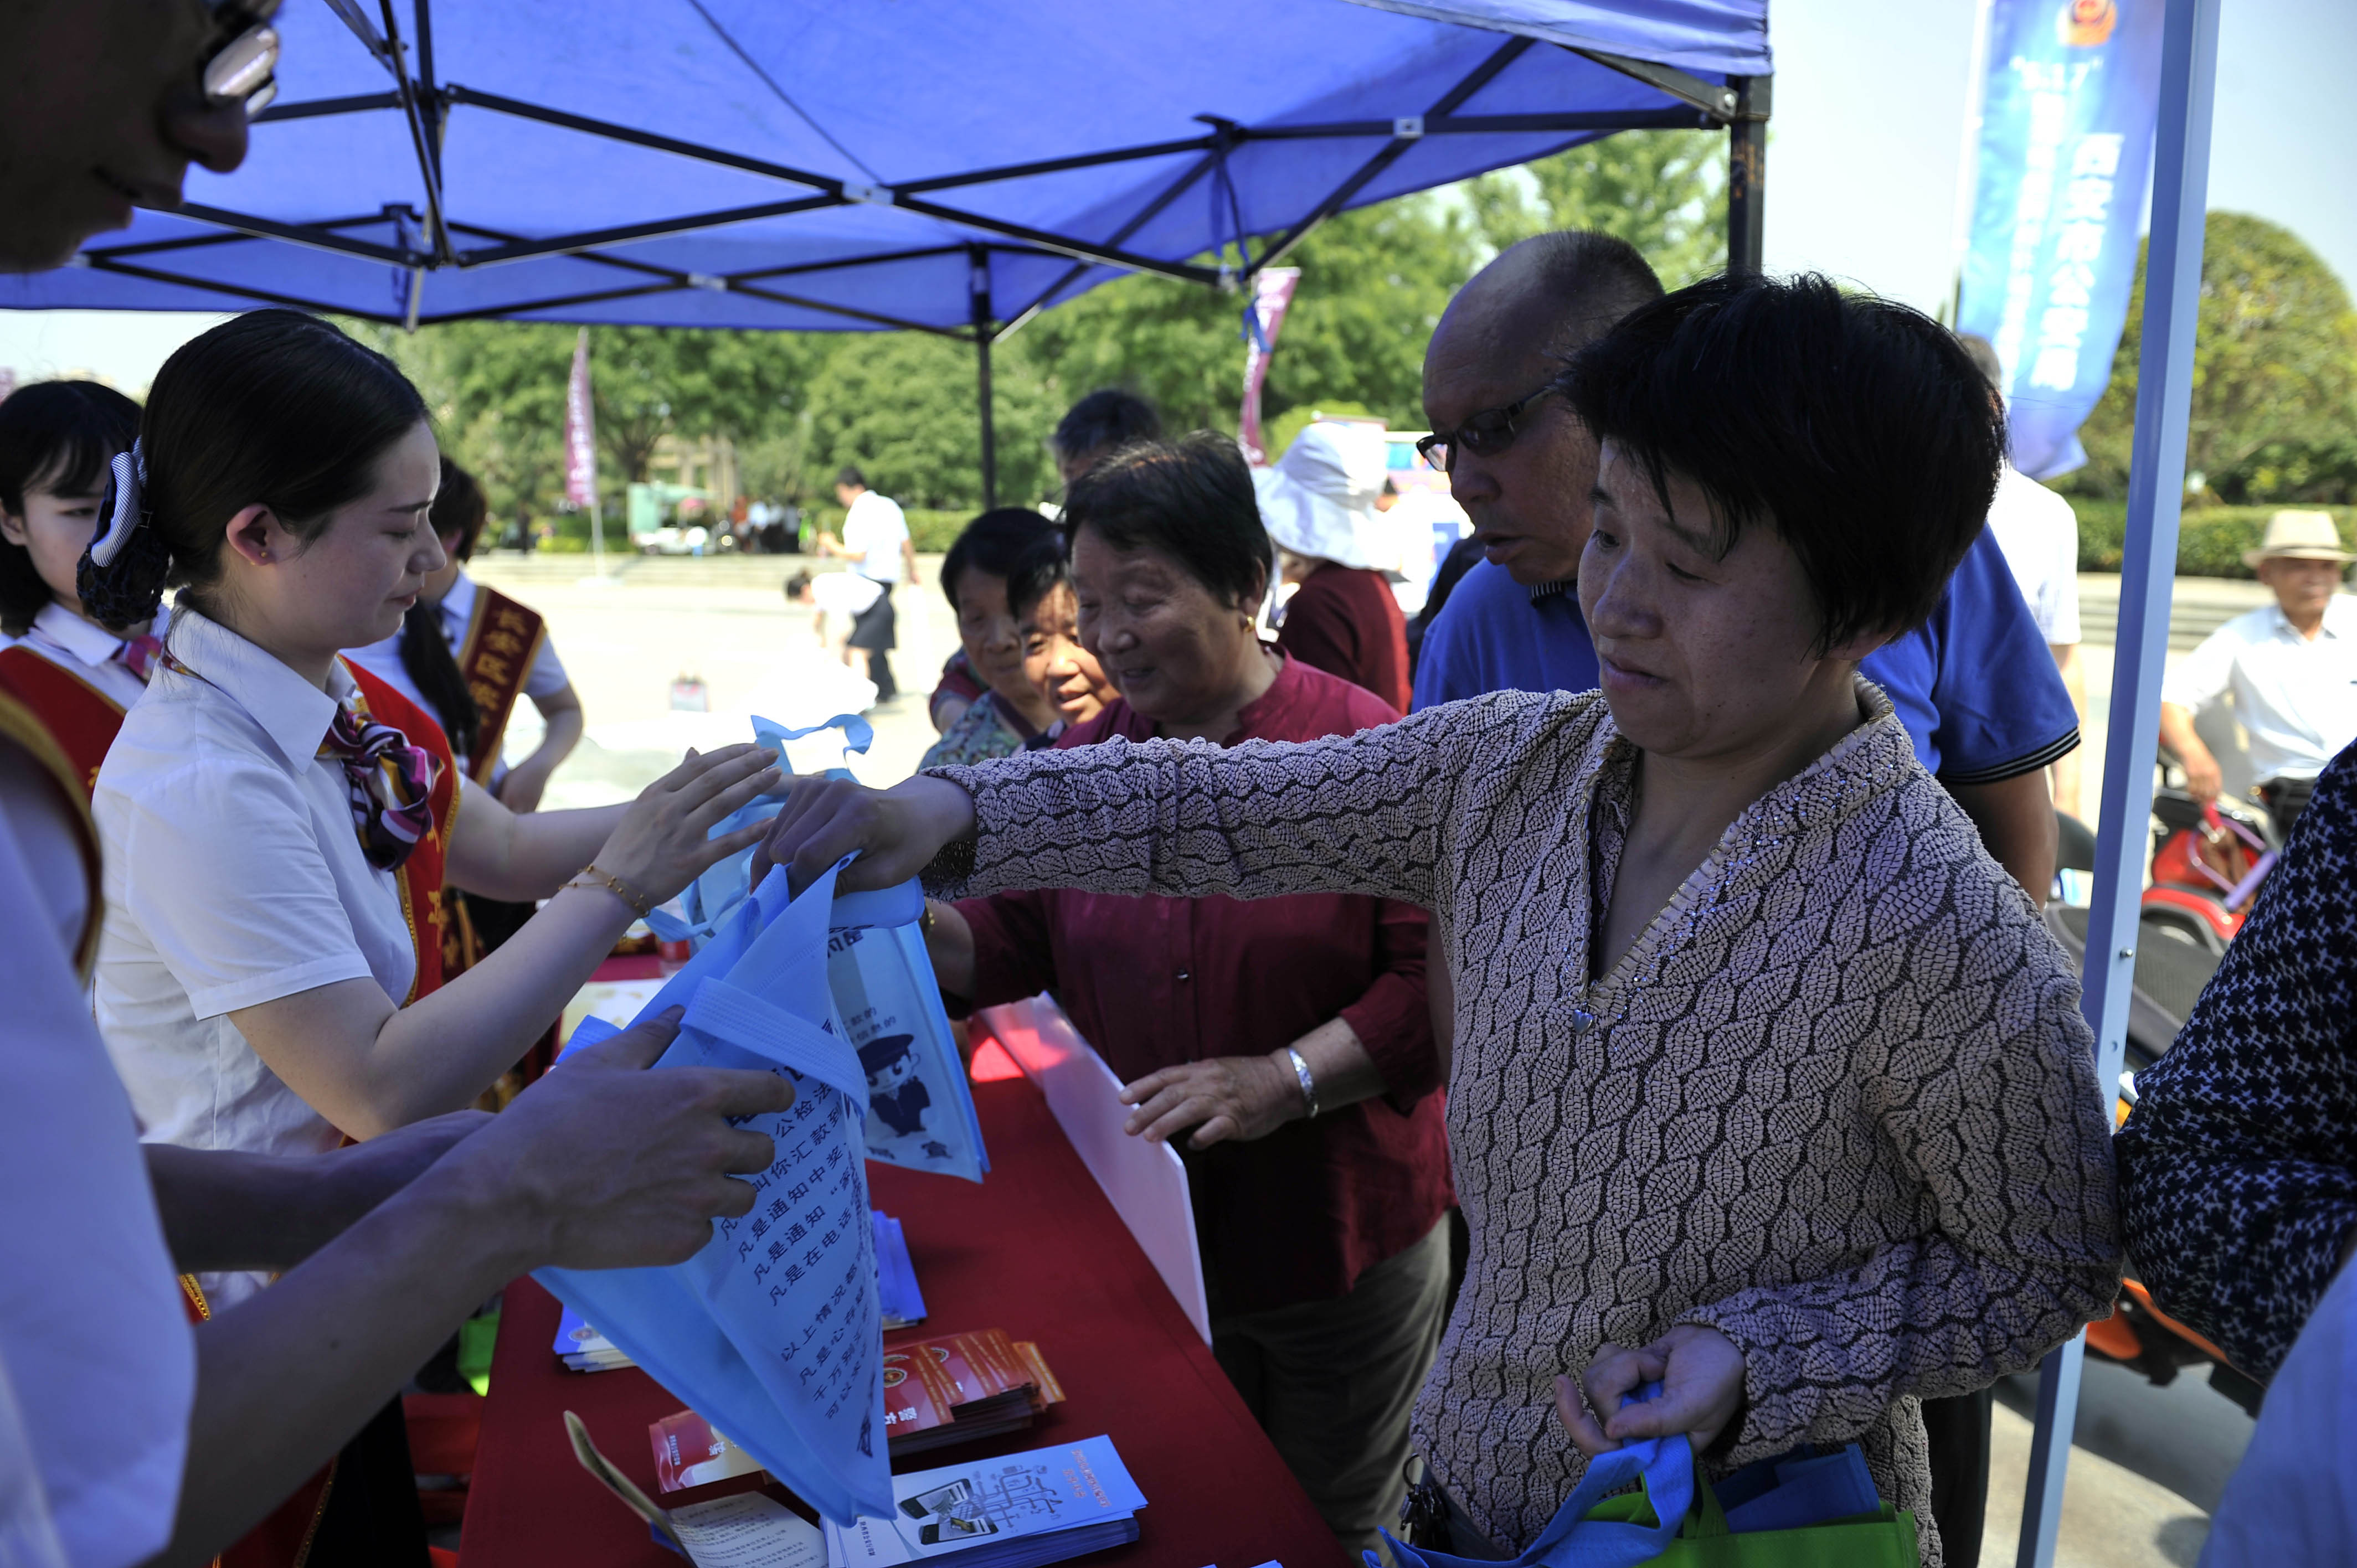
(1975, 686)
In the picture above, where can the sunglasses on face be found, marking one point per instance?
(240, 68)
(1485, 434)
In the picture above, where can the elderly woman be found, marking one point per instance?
(1320, 1209)
(1048, 619)
(1768, 1083)
(1010, 713)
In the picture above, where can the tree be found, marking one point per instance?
(901, 406)
(2274, 375)
(1662, 192)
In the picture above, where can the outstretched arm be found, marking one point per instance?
(1374, 813)
(369, 1067)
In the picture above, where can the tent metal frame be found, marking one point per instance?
(2180, 188)
(425, 102)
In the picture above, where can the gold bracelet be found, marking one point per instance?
(620, 888)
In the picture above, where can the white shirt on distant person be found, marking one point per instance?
(2038, 534)
(97, 1362)
(234, 877)
(873, 531)
(2296, 699)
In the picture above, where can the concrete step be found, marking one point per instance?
(2197, 606)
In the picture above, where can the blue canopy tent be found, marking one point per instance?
(933, 168)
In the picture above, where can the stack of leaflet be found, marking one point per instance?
(1020, 1511)
(957, 1389)
(902, 1305)
(582, 1349)
(961, 1386)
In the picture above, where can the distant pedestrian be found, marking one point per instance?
(1318, 503)
(875, 542)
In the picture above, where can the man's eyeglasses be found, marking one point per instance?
(1485, 434)
(242, 66)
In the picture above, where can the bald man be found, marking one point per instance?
(1975, 686)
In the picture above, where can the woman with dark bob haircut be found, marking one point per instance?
(1768, 1083)
(1319, 1219)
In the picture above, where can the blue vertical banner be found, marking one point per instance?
(2065, 150)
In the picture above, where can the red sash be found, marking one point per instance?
(66, 726)
(496, 657)
(420, 877)
(284, 1539)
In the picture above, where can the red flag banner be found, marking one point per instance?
(580, 431)
(1272, 292)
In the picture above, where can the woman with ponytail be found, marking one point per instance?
(276, 823)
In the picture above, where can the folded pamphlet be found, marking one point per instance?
(773, 1330)
(748, 1530)
(1015, 1513)
(887, 1002)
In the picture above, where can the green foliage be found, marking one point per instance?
(902, 406)
(2275, 376)
(1281, 430)
(1662, 192)
(2210, 539)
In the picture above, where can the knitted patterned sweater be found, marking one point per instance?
(1837, 1101)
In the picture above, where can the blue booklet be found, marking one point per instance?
(1012, 1512)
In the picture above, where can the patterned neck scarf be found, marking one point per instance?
(391, 783)
(139, 654)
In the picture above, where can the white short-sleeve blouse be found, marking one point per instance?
(234, 877)
(96, 1359)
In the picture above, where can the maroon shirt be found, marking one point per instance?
(1344, 620)
(1154, 982)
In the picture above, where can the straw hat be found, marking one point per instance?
(1319, 498)
(2299, 536)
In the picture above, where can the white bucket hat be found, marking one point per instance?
(2298, 536)
(1319, 498)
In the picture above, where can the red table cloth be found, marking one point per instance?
(1037, 1251)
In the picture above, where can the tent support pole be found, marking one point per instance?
(1747, 176)
(978, 293)
(2172, 296)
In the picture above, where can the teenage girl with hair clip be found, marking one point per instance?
(277, 823)
(75, 673)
